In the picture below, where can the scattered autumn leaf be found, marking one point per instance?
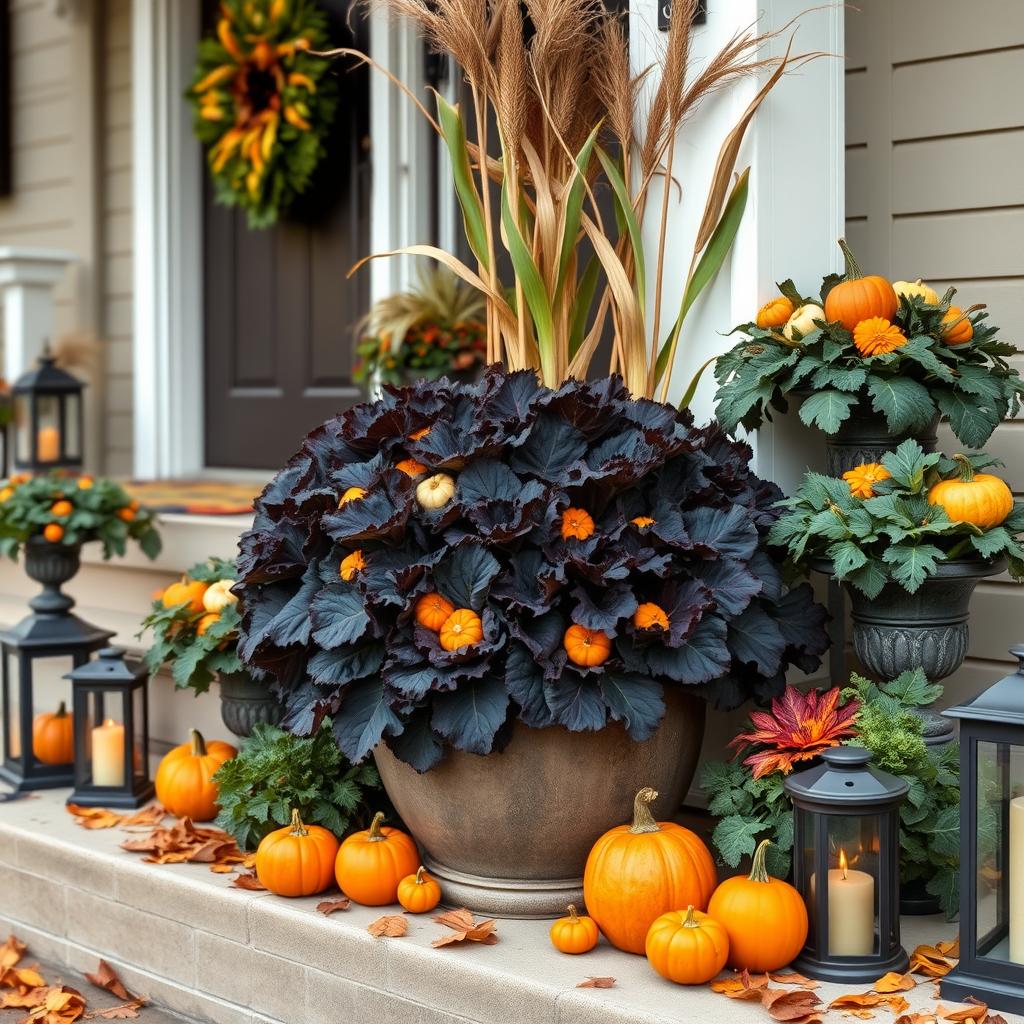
(976, 1011)
(185, 842)
(21, 978)
(996, 1018)
(465, 928)
(793, 979)
(27, 1000)
(789, 1005)
(126, 1011)
(248, 880)
(94, 817)
(741, 986)
(934, 961)
(597, 983)
(328, 907)
(894, 982)
(392, 926)
(11, 952)
(60, 1005)
(106, 978)
(916, 1018)
(152, 815)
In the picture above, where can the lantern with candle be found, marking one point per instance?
(991, 966)
(47, 418)
(846, 866)
(111, 715)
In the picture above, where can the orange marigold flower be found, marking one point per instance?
(352, 494)
(642, 521)
(877, 337)
(576, 524)
(650, 616)
(351, 564)
(410, 467)
(862, 478)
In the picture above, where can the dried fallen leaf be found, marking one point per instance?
(916, 1018)
(27, 1000)
(11, 952)
(896, 1003)
(21, 978)
(934, 961)
(392, 926)
(185, 842)
(742, 986)
(894, 982)
(126, 1011)
(976, 1011)
(597, 983)
(996, 1018)
(94, 817)
(60, 1005)
(248, 880)
(789, 1005)
(856, 1001)
(328, 907)
(465, 928)
(152, 815)
(794, 979)
(107, 979)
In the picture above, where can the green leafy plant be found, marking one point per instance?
(895, 533)
(922, 375)
(196, 642)
(73, 510)
(276, 772)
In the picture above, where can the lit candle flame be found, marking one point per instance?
(842, 862)
(108, 723)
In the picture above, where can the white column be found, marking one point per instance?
(27, 280)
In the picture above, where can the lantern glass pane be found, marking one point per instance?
(11, 709)
(22, 426)
(48, 429)
(52, 731)
(72, 421)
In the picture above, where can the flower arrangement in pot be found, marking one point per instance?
(909, 537)
(872, 363)
(195, 625)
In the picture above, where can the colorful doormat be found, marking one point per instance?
(196, 497)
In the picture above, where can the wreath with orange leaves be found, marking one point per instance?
(263, 103)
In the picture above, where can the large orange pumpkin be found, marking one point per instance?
(765, 918)
(184, 780)
(859, 297)
(687, 947)
(635, 873)
(297, 860)
(53, 736)
(371, 863)
(981, 499)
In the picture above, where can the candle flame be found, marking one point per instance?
(842, 862)
(109, 723)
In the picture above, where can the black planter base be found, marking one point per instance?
(852, 970)
(997, 995)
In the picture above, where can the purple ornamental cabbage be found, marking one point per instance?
(521, 454)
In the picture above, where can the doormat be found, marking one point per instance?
(195, 497)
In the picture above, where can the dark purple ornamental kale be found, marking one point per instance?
(521, 454)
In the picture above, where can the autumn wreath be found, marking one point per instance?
(263, 104)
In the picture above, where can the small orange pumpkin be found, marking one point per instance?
(960, 329)
(351, 565)
(371, 863)
(574, 934)
(687, 947)
(577, 524)
(764, 917)
(206, 622)
(53, 736)
(297, 860)
(858, 297)
(419, 893)
(637, 872)
(184, 780)
(432, 611)
(775, 313)
(187, 592)
(650, 616)
(462, 628)
(53, 532)
(61, 508)
(586, 647)
(981, 499)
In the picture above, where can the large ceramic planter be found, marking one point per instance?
(244, 701)
(897, 631)
(51, 565)
(508, 834)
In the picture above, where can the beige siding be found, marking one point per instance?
(935, 143)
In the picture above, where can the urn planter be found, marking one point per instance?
(244, 701)
(508, 834)
(51, 565)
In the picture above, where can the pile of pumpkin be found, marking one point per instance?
(196, 598)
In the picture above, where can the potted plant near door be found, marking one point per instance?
(195, 623)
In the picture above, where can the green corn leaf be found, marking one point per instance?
(692, 389)
(573, 207)
(533, 287)
(624, 209)
(710, 262)
(585, 290)
(454, 132)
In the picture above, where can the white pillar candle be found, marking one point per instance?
(108, 754)
(851, 911)
(1015, 866)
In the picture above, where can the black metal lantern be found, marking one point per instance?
(111, 712)
(846, 831)
(991, 964)
(48, 418)
(36, 654)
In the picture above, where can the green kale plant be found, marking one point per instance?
(276, 771)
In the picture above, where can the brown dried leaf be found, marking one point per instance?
(465, 928)
(60, 1005)
(895, 982)
(223, 868)
(392, 926)
(11, 952)
(106, 978)
(996, 1018)
(793, 978)
(742, 986)
(184, 842)
(248, 880)
(916, 1018)
(856, 1001)
(94, 817)
(28, 1000)
(789, 1005)
(152, 815)
(860, 1014)
(976, 1011)
(934, 961)
(328, 907)
(597, 983)
(896, 1003)
(21, 978)
(125, 1011)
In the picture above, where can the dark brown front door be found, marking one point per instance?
(278, 310)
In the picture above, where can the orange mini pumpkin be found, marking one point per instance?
(859, 297)
(775, 313)
(586, 647)
(187, 592)
(981, 499)
(297, 860)
(205, 623)
(53, 736)
(462, 628)
(637, 872)
(410, 467)
(960, 330)
(765, 918)
(432, 611)
(687, 947)
(371, 863)
(53, 532)
(650, 616)
(419, 893)
(574, 934)
(577, 524)
(61, 508)
(184, 780)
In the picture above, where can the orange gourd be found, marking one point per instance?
(61, 508)
(205, 623)
(775, 313)
(462, 628)
(53, 736)
(297, 860)
(586, 647)
(650, 616)
(184, 780)
(688, 947)
(765, 918)
(185, 591)
(432, 610)
(635, 873)
(371, 863)
(960, 330)
(859, 297)
(574, 934)
(977, 498)
(53, 532)
(419, 893)
(351, 565)
(577, 524)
